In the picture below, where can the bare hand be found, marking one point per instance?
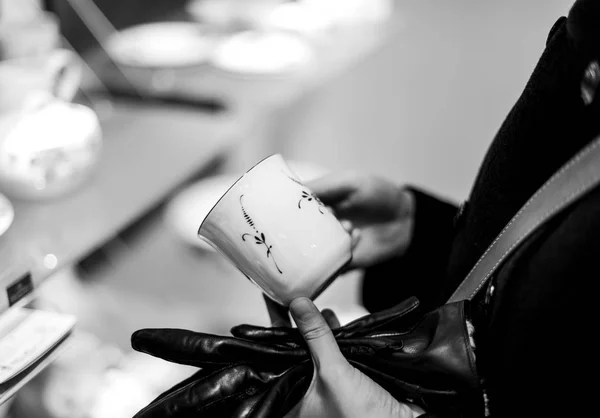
(338, 390)
(380, 210)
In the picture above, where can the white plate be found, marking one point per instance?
(298, 17)
(7, 214)
(264, 53)
(161, 45)
(187, 210)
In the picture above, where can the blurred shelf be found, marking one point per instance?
(335, 52)
(149, 150)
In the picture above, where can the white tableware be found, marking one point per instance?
(298, 17)
(49, 151)
(188, 208)
(278, 233)
(231, 13)
(7, 214)
(351, 12)
(263, 53)
(161, 45)
(24, 80)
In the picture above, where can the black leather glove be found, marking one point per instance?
(426, 360)
(400, 317)
(206, 350)
(269, 347)
(237, 390)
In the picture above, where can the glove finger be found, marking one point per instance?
(200, 374)
(269, 399)
(201, 350)
(399, 317)
(285, 393)
(243, 409)
(273, 335)
(280, 335)
(291, 337)
(223, 388)
(331, 318)
(368, 346)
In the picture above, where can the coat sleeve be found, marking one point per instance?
(418, 271)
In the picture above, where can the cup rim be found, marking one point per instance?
(231, 187)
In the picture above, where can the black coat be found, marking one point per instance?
(534, 341)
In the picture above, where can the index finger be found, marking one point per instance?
(333, 188)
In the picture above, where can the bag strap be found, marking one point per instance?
(567, 185)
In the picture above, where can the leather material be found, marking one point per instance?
(236, 390)
(400, 317)
(577, 177)
(425, 359)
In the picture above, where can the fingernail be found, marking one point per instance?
(301, 308)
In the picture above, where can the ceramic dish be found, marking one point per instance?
(262, 53)
(161, 45)
(7, 214)
(50, 151)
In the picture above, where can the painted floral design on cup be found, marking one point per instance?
(309, 197)
(259, 237)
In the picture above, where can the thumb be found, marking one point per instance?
(317, 334)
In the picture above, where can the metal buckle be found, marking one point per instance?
(590, 82)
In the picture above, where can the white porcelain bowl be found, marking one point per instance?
(7, 214)
(161, 45)
(48, 152)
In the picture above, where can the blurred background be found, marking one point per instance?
(121, 123)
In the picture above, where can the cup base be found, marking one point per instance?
(331, 278)
(319, 290)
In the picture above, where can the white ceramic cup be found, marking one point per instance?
(278, 233)
(24, 80)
